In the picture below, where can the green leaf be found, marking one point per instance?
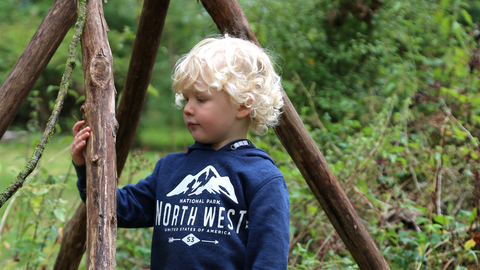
(392, 157)
(446, 4)
(473, 216)
(62, 201)
(81, 99)
(460, 134)
(50, 88)
(72, 93)
(446, 26)
(60, 214)
(441, 219)
(390, 86)
(403, 161)
(467, 17)
(446, 158)
(474, 255)
(152, 90)
(469, 244)
(41, 191)
(475, 100)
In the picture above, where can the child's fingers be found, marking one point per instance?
(77, 127)
(77, 147)
(83, 134)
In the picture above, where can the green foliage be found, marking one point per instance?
(392, 102)
(34, 223)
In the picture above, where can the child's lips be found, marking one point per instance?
(192, 125)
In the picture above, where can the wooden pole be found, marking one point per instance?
(23, 76)
(143, 58)
(101, 162)
(230, 18)
(134, 92)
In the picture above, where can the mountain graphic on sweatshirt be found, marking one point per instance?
(206, 180)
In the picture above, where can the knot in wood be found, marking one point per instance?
(95, 159)
(83, 108)
(115, 126)
(100, 70)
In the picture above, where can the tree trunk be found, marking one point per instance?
(23, 76)
(230, 18)
(101, 162)
(143, 58)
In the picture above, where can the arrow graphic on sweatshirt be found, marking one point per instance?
(191, 239)
(215, 242)
(171, 239)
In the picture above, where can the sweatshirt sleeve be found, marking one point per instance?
(135, 203)
(269, 227)
(81, 180)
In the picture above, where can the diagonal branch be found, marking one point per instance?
(32, 163)
(28, 68)
(230, 18)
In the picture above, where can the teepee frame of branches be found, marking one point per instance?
(108, 146)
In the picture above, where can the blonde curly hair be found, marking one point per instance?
(240, 68)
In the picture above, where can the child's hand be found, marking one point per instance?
(77, 148)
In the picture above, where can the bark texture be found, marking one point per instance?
(99, 111)
(23, 76)
(230, 18)
(129, 110)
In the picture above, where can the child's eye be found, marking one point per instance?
(200, 99)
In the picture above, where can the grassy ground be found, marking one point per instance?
(56, 163)
(15, 154)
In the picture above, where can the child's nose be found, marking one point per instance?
(188, 109)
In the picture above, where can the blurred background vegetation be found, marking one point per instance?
(389, 90)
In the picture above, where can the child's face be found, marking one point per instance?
(211, 117)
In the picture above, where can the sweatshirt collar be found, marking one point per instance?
(232, 146)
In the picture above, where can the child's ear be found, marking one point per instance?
(243, 111)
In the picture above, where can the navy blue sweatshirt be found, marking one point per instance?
(210, 209)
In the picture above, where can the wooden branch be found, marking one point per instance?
(134, 92)
(230, 18)
(143, 58)
(101, 162)
(23, 76)
(32, 163)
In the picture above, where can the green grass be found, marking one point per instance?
(15, 154)
(56, 162)
(165, 138)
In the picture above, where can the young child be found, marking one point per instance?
(223, 204)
